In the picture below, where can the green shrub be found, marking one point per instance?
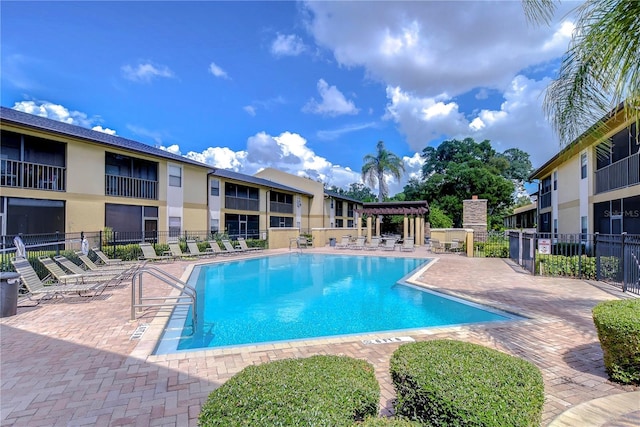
(568, 266)
(316, 391)
(618, 325)
(453, 383)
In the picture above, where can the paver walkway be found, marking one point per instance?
(74, 363)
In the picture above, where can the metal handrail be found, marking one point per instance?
(187, 290)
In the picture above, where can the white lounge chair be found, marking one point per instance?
(194, 249)
(149, 253)
(358, 244)
(344, 242)
(389, 244)
(374, 244)
(244, 247)
(407, 246)
(229, 247)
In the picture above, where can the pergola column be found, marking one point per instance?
(358, 224)
(378, 224)
(405, 229)
(369, 228)
(412, 229)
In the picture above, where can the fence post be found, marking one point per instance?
(624, 270)
(520, 247)
(100, 239)
(595, 253)
(580, 255)
(534, 243)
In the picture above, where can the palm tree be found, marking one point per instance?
(376, 165)
(601, 69)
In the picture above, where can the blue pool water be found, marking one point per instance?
(296, 296)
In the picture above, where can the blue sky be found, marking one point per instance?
(305, 87)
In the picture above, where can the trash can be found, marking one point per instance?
(9, 285)
(332, 242)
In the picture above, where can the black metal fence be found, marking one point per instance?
(115, 244)
(490, 244)
(612, 258)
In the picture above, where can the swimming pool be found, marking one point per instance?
(297, 296)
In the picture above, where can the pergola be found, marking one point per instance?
(414, 218)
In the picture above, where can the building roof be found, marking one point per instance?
(341, 196)
(9, 115)
(42, 123)
(395, 208)
(224, 173)
(546, 168)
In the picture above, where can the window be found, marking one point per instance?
(175, 176)
(339, 223)
(215, 187)
(175, 225)
(350, 209)
(215, 226)
(241, 197)
(583, 225)
(583, 165)
(544, 223)
(555, 180)
(281, 202)
(280, 221)
(339, 208)
(350, 223)
(555, 226)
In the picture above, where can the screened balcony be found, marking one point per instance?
(33, 176)
(124, 186)
(621, 174)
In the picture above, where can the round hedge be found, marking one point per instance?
(618, 326)
(453, 383)
(315, 391)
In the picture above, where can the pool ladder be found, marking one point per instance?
(188, 295)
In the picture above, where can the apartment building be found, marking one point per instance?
(593, 185)
(59, 177)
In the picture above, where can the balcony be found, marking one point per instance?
(621, 174)
(125, 186)
(33, 176)
(545, 200)
(241, 204)
(281, 207)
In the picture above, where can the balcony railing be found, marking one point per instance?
(125, 186)
(620, 174)
(545, 200)
(281, 207)
(34, 176)
(241, 204)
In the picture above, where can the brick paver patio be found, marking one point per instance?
(65, 363)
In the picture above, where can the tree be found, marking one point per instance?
(600, 70)
(377, 165)
(458, 170)
(438, 219)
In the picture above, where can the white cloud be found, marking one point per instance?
(519, 123)
(145, 72)
(333, 102)
(336, 133)
(217, 71)
(104, 130)
(62, 114)
(429, 48)
(250, 109)
(268, 105)
(287, 45)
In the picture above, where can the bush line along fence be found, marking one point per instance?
(612, 258)
(113, 243)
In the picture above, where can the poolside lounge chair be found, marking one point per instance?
(229, 247)
(73, 268)
(407, 246)
(149, 253)
(175, 250)
(389, 244)
(436, 246)
(67, 277)
(104, 258)
(194, 250)
(245, 248)
(35, 286)
(374, 244)
(216, 249)
(344, 242)
(358, 244)
(92, 266)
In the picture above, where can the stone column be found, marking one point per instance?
(369, 228)
(474, 214)
(412, 229)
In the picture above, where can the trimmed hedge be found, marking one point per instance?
(453, 383)
(315, 391)
(618, 326)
